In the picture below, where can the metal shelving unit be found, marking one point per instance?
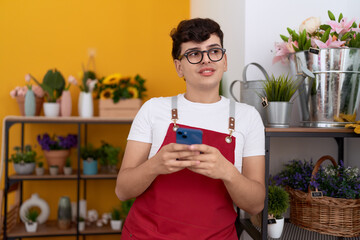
(339, 134)
(49, 229)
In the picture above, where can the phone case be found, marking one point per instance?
(189, 136)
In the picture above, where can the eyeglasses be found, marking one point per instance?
(196, 56)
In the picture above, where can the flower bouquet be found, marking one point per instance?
(323, 199)
(119, 96)
(57, 148)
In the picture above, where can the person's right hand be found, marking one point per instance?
(168, 158)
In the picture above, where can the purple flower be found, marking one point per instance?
(57, 142)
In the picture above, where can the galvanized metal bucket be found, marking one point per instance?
(249, 90)
(331, 99)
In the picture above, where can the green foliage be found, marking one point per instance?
(278, 201)
(87, 75)
(280, 89)
(126, 206)
(108, 154)
(26, 156)
(116, 214)
(53, 84)
(81, 219)
(32, 215)
(40, 164)
(89, 151)
(68, 162)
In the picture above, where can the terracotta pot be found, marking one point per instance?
(57, 157)
(21, 100)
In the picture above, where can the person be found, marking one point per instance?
(188, 191)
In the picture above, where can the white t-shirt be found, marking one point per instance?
(153, 119)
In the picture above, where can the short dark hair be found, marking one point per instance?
(197, 30)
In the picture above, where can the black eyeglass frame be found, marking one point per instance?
(223, 50)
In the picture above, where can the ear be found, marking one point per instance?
(225, 62)
(178, 68)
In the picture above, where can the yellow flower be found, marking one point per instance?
(134, 92)
(107, 94)
(357, 129)
(112, 79)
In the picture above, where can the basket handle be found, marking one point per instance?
(316, 169)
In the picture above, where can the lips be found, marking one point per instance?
(207, 71)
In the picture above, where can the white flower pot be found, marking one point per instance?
(24, 168)
(31, 227)
(39, 171)
(35, 201)
(275, 230)
(86, 105)
(53, 171)
(67, 170)
(51, 109)
(115, 224)
(81, 226)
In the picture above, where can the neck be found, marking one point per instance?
(202, 97)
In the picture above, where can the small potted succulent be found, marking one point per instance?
(39, 170)
(89, 154)
(68, 168)
(116, 219)
(81, 223)
(23, 160)
(278, 204)
(31, 223)
(109, 157)
(54, 170)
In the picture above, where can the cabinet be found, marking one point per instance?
(336, 133)
(49, 228)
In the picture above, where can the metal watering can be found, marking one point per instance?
(249, 90)
(330, 92)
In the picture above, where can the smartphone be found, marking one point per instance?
(189, 136)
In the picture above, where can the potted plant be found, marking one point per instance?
(67, 167)
(57, 148)
(108, 157)
(24, 161)
(54, 170)
(317, 49)
(278, 203)
(53, 84)
(116, 219)
(81, 223)
(89, 154)
(120, 96)
(85, 104)
(277, 96)
(39, 170)
(31, 223)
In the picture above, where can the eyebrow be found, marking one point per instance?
(210, 46)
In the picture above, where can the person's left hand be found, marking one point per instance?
(212, 163)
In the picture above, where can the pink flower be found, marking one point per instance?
(13, 93)
(282, 51)
(38, 91)
(72, 80)
(341, 27)
(330, 43)
(91, 84)
(27, 78)
(22, 91)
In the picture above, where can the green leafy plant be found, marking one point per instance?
(116, 87)
(279, 89)
(85, 87)
(68, 162)
(81, 219)
(40, 164)
(108, 154)
(278, 201)
(89, 151)
(126, 206)
(116, 214)
(32, 215)
(26, 156)
(53, 84)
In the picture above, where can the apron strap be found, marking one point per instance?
(174, 117)
(174, 113)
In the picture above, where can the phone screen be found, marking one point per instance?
(189, 136)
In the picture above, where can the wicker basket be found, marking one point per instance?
(327, 215)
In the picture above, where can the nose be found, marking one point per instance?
(206, 58)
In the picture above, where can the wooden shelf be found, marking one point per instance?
(47, 176)
(49, 228)
(66, 120)
(99, 176)
(94, 230)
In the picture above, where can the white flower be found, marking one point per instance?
(72, 80)
(27, 78)
(91, 84)
(311, 24)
